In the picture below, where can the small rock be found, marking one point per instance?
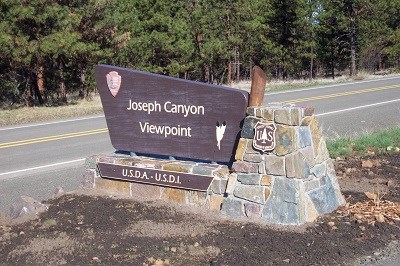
(173, 249)
(287, 260)
(377, 253)
(366, 164)
(362, 228)
(380, 218)
(397, 149)
(389, 148)
(21, 233)
(196, 244)
(331, 224)
(96, 259)
(391, 183)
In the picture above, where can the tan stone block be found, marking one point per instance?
(145, 191)
(222, 173)
(251, 111)
(306, 120)
(322, 152)
(266, 180)
(316, 134)
(216, 202)
(295, 116)
(123, 161)
(286, 140)
(174, 194)
(106, 160)
(259, 112)
(268, 115)
(250, 149)
(197, 198)
(113, 186)
(267, 193)
(310, 212)
(177, 168)
(282, 116)
(230, 187)
(241, 149)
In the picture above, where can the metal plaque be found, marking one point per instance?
(264, 137)
(155, 114)
(154, 176)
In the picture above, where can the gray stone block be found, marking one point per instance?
(245, 167)
(254, 158)
(253, 210)
(304, 137)
(233, 207)
(319, 170)
(311, 184)
(282, 207)
(324, 198)
(202, 170)
(274, 165)
(248, 127)
(296, 166)
(249, 179)
(250, 193)
(218, 186)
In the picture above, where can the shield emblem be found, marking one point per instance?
(113, 82)
(264, 137)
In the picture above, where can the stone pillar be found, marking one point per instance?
(292, 184)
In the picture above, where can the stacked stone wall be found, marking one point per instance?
(212, 199)
(292, 184)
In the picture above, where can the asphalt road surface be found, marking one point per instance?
(37, 158)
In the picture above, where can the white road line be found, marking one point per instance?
(332, 86)
(41, 167)
(50, 123)
(358, 107)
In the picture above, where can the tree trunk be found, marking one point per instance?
(229, 77)
(62, 82)
(39, 86)
(311, 63)
(353, 69)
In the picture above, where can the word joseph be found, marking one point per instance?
(168, 107)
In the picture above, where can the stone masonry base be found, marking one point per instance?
(292, 184)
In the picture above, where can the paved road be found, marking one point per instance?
(34, 159)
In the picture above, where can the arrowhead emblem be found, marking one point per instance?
(113, 82)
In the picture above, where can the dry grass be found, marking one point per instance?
(39, 114)
(280, 85)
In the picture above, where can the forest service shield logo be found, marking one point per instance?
(113, 82)
(264, 137)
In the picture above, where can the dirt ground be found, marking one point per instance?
(84, 229)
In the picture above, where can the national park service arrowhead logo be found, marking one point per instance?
(113, 82)
(264, 137)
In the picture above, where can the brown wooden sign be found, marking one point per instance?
(154, 176)
(154, 114)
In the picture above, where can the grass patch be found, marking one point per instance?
(38, 114)
(377, 142)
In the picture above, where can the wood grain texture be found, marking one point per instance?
(219, 104)
(258, 83)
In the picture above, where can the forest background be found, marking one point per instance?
(48, 48)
